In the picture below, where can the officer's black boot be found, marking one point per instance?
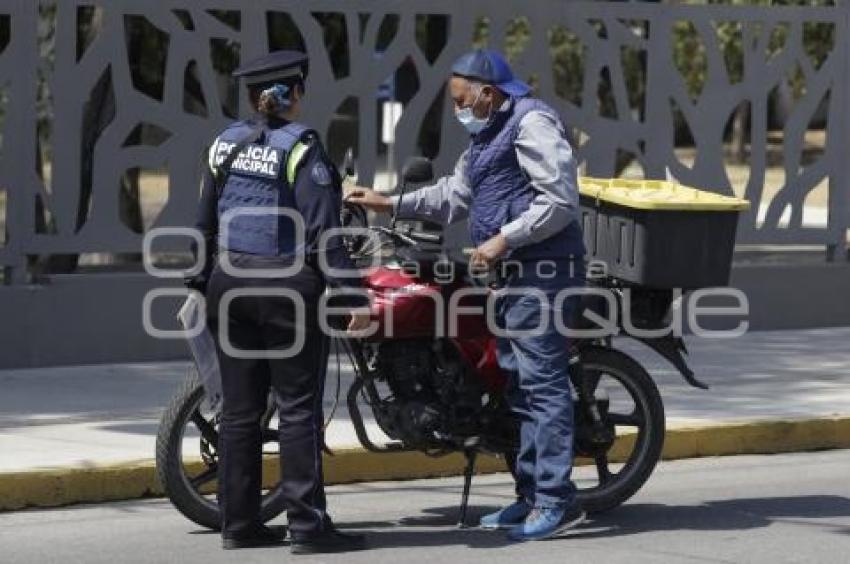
(257, 537)
(328, 540)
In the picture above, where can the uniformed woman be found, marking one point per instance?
(268, 174)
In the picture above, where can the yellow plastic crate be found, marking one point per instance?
(657, 195)
(659, 234)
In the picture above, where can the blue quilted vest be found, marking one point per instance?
(257, 179)
(501, 192)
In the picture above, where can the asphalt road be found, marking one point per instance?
(771, 509)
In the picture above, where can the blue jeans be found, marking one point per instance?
(538, 389)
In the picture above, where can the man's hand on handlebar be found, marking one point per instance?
(368, 199)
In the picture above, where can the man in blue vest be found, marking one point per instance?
(517, 185)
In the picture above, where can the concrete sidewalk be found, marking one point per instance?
(93, 416)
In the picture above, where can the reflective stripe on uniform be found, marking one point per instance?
(295, 156)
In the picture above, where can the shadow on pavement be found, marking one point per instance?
(441, 525)
(726, 515)
(407, 538)
(731, 515)
(447, 516)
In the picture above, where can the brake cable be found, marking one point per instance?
(338, 385)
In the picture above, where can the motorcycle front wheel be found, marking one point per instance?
(187, 456)
(635, 409)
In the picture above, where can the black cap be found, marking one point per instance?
(274, 66)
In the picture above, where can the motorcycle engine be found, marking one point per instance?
(428, 386)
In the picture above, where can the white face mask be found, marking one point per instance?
(467, 118)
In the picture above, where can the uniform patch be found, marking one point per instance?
(255, 160)
(320, 174)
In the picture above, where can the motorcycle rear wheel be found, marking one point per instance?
(190, 493)
(615, 488)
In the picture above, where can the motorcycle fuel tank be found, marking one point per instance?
(403, 305)
(406, 306)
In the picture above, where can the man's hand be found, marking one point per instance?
(368, 199)
(489, 252)
(360, 320)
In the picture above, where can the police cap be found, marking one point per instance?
(274, 66)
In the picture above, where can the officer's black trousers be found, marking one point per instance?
(268, 323)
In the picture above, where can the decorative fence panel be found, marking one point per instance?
(80, 111)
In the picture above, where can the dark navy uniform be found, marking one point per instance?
(286, 167)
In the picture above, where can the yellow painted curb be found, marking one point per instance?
(757, 437)
(63, 486)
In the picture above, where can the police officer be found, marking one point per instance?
(517, 185)
(267, 175)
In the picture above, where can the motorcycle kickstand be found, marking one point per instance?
(467, 483)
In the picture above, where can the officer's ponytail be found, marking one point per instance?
(274, 99)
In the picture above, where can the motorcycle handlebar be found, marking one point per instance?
(411, 236)
(423, 237)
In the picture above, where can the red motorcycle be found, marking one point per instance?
(443, 394)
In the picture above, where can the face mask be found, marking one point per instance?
(467, 119)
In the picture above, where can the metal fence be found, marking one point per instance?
(76, 206)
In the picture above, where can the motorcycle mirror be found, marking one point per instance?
(416, 170)
(348, 162)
